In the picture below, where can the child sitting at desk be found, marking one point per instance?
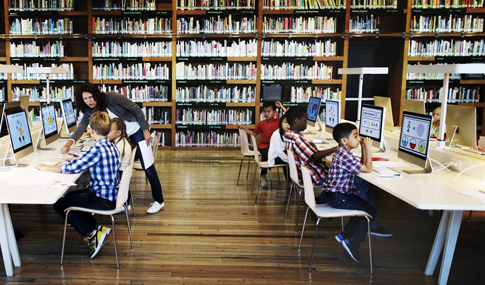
(339, 185)
(277, 151)
(435, 126)
(103, 161)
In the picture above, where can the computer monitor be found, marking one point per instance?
(385, 102)
(461, 125)
(332, 115)
(49, 126)
(272, 93)
(68, 116)
(372, 124)
(19, 133)
(414, 141)
(3, 125)
(414, 106)
(313, 110)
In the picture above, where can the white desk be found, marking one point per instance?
(24, 195)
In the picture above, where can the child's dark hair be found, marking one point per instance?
(98, 96)
(280, 127)
(343, 130)
(121, 126)
(271, 104)
(100, 123)
(294, 113)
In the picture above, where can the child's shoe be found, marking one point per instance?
(264, 183)
(98, 239)
(353, 251)
(341, 237)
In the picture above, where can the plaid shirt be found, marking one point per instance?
(303, 152)
(342, 172)
(103, 161)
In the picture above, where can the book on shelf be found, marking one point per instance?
(161, 142)
(189, 116)
(143, 93)
(206, 139)
(447, 48)
(156, 115)
(135, 71)
(455, 95)
(211, 71)
(40, 5)
(31, 49)
(126, 5)
(295, 48)
(217, 48)
(40, 95)
(215, 4)
(223, 94)
(430, 76)
(69, 75)
(364, 24)
(300, 25)
(303, 94)
(2, 94)
(303, 4)
(41, 27)
(132, 49)
(444, 24)
(373, 4)
(128, 25)
(217, 25)
(293, 71)
(439, 4)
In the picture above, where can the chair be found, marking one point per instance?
(133, 154)
(325, 211)
(246, 152)
(120, 200)
(261, 164)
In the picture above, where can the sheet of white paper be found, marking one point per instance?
(55, 162)
(41, 183)
(146, 152)
(475, 195)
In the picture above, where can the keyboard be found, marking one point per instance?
(386, 172)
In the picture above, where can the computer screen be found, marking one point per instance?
(272, 93)
(461, 125)
(372, 124)
(386, 103)
(332, 115)
(414, 106)
(313, 110)
(18, 128)
(49, 124)
(3, 125)
(68, 115)
(414, 141)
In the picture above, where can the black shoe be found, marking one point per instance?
(353, 251)
(380, 232)
(18, 235)
(341, 237)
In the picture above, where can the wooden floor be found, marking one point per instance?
(210, 231)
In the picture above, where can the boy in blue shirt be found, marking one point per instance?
(339, 185)
(103, 161)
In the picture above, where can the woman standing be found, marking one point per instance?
(90, 99)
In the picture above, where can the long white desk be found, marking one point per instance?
(11, 194)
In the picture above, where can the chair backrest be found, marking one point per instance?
(133, 154)
(308, 188)
(124, 186)
(255, 149)
(243, 141)
(156, 140)
(293, 167)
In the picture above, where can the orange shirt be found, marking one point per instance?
(266, 128)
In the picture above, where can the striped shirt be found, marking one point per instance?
(103, 161)
(342, 172)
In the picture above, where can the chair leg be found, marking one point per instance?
(114, 237)
(249, 163)
(342, 220)
(303, 229)
(129, 225)
(254, 178)
(278, 172)
(298, 212)
(64, 237)
(257, 189)
(270, 179)
(289, 199)
(370, 246)
(132, 202)
(240, 166)
(314, 242)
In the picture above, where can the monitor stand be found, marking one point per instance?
(63, 136)
(426, 170)
(38, 144)
(9, 160)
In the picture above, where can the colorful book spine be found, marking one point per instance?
(297, 48)
(128, 25)
(300, 25)
(364, 24)
(215, 5)
(54, 49)
(135, 71)
(39, 95)
(189, 116)
(223, 94)
(227, 71)
(303, 5)
(303, 94)
(447, 48)
(293, 71)
(455, 95)
(132, 49)
(206, 139)
(447, 24)
(217, 25)
(40, 5)
(219, 48)
(137, 93)
(41, 27)
(69, 75)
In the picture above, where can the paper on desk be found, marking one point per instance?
(475, 195)
(41, 183)
(146, 152)
(388, 164)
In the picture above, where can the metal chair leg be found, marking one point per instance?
(370, 246)
(240, 166)
(249, 163)
(289, 199)
(270, 179)
(314, 242)
(298, 212)
(254, 178)
(303, 229)
(132, 202)
(257, 189)
(64, 237)
(342, 220)
(114, 237)
(129, 225)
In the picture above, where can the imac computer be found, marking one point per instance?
(332, 115)
(372, 124)
(313, 110)
(68, 118)
(385, 102)
(3, 124)
(461, 125)
(49, 126)
(414, 106)
(20, 138)
(414, 141)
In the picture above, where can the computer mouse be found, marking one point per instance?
(379, 159)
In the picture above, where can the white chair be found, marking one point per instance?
(120, 200)
(262, 165)
(246, 152)
(325, 211)
(133, 153)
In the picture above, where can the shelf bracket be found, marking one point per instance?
(60, 36)
(404, 35)
(3, 36)
(119, 36)
(462, 35)
(350, 35)
(316, 36)
(343, 36)
(256, 35)
(35, 36)
(289, 36)
(86, 36)
(263, 36)
(377, 35)
(145, 36)
(437, 35)
(94, 36)
(411, 35)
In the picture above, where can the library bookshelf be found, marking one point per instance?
(198, 71)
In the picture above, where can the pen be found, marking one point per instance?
(75, 155)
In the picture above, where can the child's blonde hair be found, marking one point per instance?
(100, 123)
(435, 122)
(121, 126)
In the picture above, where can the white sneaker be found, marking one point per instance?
(155, 207)
(122, 209)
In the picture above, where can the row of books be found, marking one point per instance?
(135, 71)
(430, 76)
(364, 24)
(373, 4)
(2, 94)
(296, 48)
(303, 4)
(207, 139)
(217, 25)
(436, 4)
(69, 75)
(48, 49)
(216, 71)
(40, 95)
(451, 24)
(156, 115)
(161, 142)
(303, 94)
(447, 48)
(292, 71)
(144, 93)
(235, 48)
(301, 25)
(455, 95)
(129, 5)
(40, 5)
(204, 93)
(215, 4)
(132, 49)
(190, 116)
(41, 27)
(127, 25)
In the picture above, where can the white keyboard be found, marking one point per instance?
(386, 172)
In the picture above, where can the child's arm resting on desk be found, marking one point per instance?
(320, 154)
(366, 145)
(53, 168)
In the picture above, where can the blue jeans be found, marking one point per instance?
(83, 222)
(150, 172)
(356, 227)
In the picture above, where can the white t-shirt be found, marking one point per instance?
(276, 148)
(131, 127)
(126, 158)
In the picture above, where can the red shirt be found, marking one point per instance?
(266, 128)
